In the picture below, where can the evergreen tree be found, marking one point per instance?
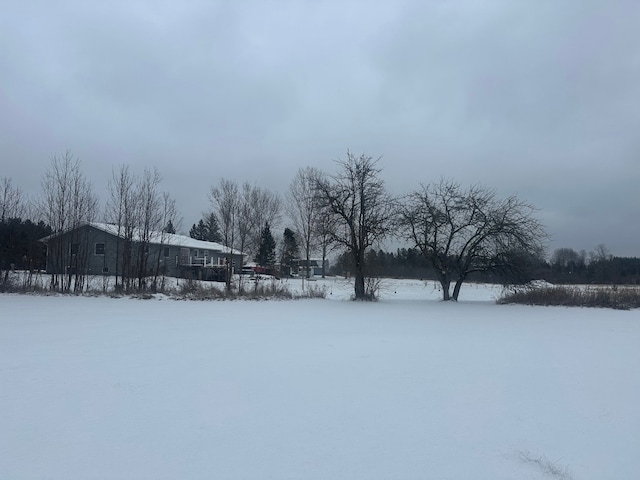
(267, 250)
(170, 228)
(19, 245)
(290, 249)
(207, 229)
(213, 229)
(199, 231)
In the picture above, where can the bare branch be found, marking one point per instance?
(464, 231)
(363, 209)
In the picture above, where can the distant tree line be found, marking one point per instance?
(19, 245)
(404, 263)
(568, 266)
(20, 248)
(565, 267)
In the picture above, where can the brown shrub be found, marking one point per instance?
(620, 298)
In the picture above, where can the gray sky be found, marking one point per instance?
(537, 98)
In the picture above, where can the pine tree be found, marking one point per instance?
(267, 250)
(199, 231)
(290, 249)
(213, 229)
(170, 228)
(206, 229)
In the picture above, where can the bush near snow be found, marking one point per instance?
(620, 298)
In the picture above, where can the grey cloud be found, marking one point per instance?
(535, 98)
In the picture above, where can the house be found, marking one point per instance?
(104, 249)
(314, 269)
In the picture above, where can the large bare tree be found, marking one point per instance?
(461, 231)
(359, 201)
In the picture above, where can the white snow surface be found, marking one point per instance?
(408, 387)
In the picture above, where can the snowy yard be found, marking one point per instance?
(405, 388)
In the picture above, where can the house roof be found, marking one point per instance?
(160, 238)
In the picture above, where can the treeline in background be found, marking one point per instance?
(564, 267)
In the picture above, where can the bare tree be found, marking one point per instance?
(303, 208)
(600, 263)
(11, 207)
(325, 227)
(265, 207)
(567, 264)
(11, 200)
(565, 258)
(600, 254)
(464, 231)
(245, 214)
(356, 196)
(149, 218)
(140, 213)
(225, 200)
(66, 202)
(121, 211)
(84, 208)
(168, 216)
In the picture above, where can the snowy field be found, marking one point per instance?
(405, 388)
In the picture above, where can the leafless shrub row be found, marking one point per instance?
(620, 298)
(193, 290)
(37, 283)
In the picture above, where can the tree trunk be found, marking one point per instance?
(324, 260)
(228, 279)
(445, 283)
(359, 285)
(360, 293)
(456, 288)
(117, 259)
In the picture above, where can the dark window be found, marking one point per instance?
(105, 270)
(166, 252)
(99, 248)
(74, 248)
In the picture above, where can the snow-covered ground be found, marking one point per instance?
(405, 388)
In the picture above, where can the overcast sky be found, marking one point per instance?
(535, 98)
